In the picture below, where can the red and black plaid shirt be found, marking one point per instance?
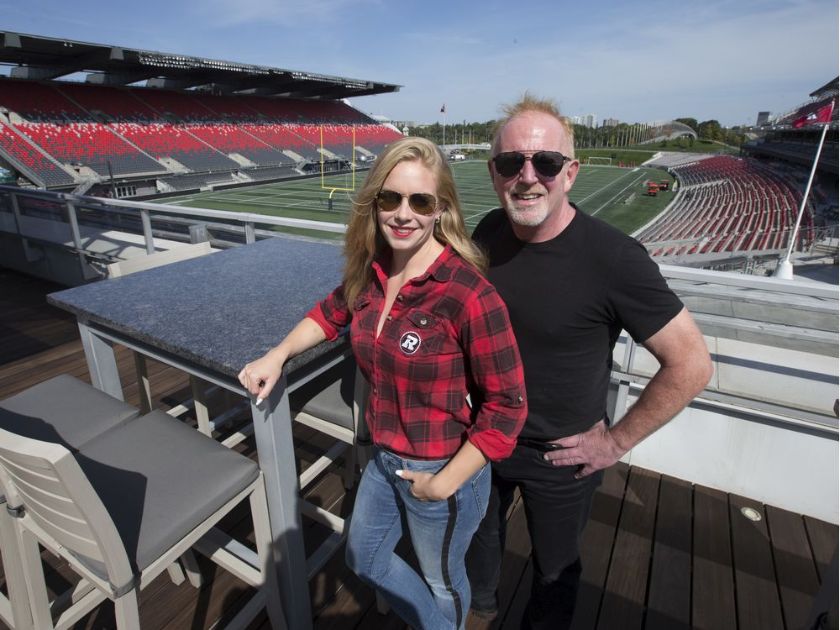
(447, 336)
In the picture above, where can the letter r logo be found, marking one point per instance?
(409, 342)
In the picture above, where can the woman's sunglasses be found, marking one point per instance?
(421, 203)
(546, 163)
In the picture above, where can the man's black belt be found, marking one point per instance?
(540, 445)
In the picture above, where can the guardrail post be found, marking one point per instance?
(146, 219)
(73, 221)
(624, 384)
(250, 232)
(74, 225)
(198, 233)
(27, 251)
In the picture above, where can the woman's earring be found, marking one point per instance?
(437, 221)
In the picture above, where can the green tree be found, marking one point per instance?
(710, 130)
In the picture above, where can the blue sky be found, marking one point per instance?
(637, 60)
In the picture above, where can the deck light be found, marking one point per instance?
(751, 514)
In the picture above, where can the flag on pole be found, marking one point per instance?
(820, 115)
(443, 108)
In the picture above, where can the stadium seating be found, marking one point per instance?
(728, 205)
(118, 104)
(375, 138)
(298, 110)
(283, 137)
(229, 138)
(91, 144)
(30, 159)
(69, 133)
(147, 132)
(165, 140)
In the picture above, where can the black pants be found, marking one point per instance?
(556, 508)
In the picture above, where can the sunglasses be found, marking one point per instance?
(421, 203)
(546, 163)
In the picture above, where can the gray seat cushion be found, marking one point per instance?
(63, 410)
(159, 479)
(329, 396)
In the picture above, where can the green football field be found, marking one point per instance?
(616, 195)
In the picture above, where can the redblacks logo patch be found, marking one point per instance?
(410, 342)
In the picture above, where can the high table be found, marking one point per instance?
(208, 317)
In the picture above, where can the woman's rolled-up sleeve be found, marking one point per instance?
(496, 368)
(331, 313)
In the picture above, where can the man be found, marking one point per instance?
(571, 284)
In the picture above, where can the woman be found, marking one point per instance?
(433, 339)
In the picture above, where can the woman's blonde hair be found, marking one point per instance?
(363, 241)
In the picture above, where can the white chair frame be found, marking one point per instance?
(58, 508)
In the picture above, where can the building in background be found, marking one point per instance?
(587, 120)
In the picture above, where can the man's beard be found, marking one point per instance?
(531, 217)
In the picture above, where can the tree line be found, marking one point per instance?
(620, 135)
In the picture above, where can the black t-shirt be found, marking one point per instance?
(569, 298)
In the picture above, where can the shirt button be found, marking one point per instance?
(423, 321)
(389, 318)
(399, 297)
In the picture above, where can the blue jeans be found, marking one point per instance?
(440, 533)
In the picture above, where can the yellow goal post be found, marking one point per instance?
(334, 189)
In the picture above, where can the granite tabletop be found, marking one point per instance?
(221, 310)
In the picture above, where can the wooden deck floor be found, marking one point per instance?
(658, 552)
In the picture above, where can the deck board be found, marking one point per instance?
(624, 600)
(657, 552)
(755, 573)
(823, 539)
(713, 586)
(669, 591)
(597, 542)
(795, 569)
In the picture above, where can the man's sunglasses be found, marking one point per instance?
(421, 203)
(546, 163)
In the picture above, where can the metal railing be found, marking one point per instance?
(148, 219)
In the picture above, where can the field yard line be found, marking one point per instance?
(602, 188)
(642, 176)
(479, 213)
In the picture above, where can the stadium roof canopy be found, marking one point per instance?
(826, 90)
(45, 58)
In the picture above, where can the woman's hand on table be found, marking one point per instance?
(259, 377)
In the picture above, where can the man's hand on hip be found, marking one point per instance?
(592, 450)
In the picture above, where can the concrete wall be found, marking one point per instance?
(765, 428)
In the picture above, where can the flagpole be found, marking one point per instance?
(785, 268)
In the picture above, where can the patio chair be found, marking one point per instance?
(62, 409)
(125, 506)
(333, 403)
